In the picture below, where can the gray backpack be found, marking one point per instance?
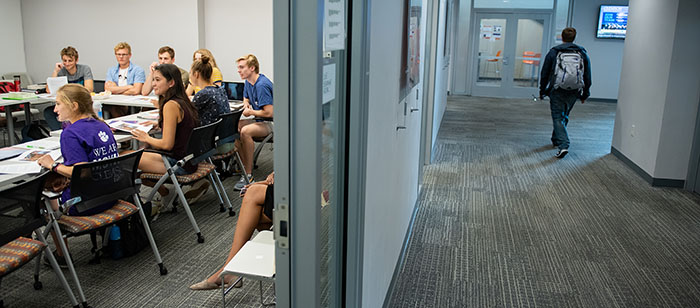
(568, 71)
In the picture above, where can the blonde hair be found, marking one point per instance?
(73, 92)
(250, 60)
(122, 45)
(205, 52)
(69, 51)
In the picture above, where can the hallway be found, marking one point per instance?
(502, 223)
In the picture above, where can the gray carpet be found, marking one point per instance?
(135, 281)
(502, 223)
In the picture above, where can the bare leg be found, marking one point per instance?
(248, 132)
(249, 218)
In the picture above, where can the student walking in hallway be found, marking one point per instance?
(566, 76)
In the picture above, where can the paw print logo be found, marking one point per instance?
(103, 136)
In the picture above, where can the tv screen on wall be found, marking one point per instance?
(612, 21)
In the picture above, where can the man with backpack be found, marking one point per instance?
(565, 77)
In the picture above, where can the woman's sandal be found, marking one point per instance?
(206, 285)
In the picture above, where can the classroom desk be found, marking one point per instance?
(8, 103)
(131, 101)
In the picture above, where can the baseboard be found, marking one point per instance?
(657, 182)
(402, 255)
(603, 100)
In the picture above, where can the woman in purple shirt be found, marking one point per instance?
(86, 139)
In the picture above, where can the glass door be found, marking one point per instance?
(310, 163)
(508, 53)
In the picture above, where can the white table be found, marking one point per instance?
(8, 103)
(256, 260)
(131, 101)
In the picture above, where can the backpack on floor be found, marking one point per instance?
(34, 131)
(568, 71)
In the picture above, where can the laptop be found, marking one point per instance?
(234, 90)
(55, 83)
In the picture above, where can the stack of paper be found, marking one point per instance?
(128, 126)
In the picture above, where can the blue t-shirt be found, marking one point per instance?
(211, 103)
(134, 74)
(87, 140)
(259, 94)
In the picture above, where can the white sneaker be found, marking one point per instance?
(561, 153)
(241, 183)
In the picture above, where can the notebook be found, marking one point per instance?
(55, 83)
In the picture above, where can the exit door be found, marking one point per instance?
(508, 50)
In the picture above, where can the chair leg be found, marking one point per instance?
(216, 189)
(69, 260)
(56, 270)
(231, 212)
(183, 201)
(240, 164)
(156, 253)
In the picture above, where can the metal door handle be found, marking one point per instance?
(414, 109)
(400, 127)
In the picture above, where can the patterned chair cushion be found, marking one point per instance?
(14, 254)
(77, 224)
(203, 169)
(224, 155)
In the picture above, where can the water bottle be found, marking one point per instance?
(18, 82)
(115, 243)
(97, 107)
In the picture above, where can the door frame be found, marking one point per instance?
(474, 40)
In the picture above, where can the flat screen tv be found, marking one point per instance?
(612, 21)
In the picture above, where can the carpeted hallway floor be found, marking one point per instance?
(502, 223)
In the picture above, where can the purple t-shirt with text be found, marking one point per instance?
(86, 140)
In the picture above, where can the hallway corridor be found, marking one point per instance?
(502, 223)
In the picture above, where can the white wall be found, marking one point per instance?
(154, 24)
(392, 171)
(460, 54)
(659, 98)
(605, 54)
(441, 74)
(235, 28)
(12, 58)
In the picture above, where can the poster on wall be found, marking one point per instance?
(410, 47)
(334, 25)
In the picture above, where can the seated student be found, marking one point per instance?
(257, 101)
(166, 55)
(86, 139)
(255, 213)
(75, 73)
(211, 101)
(124, 78)
(178, 117)
(216, 77)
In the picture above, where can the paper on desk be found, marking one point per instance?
(20, 168)
(6, 153)
(34, 155)
(50, 143)
(55, 83)
(129, 126)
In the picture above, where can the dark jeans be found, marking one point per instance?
(561, 102)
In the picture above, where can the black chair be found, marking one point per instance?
(228, 133)
(92, 185)
(21, 213)
(98, 86)
(200, 147)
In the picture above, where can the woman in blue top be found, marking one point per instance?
(211, 101)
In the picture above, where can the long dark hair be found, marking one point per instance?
(175, 93)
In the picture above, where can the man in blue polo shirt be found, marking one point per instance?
(257, 101)
(124, 78)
